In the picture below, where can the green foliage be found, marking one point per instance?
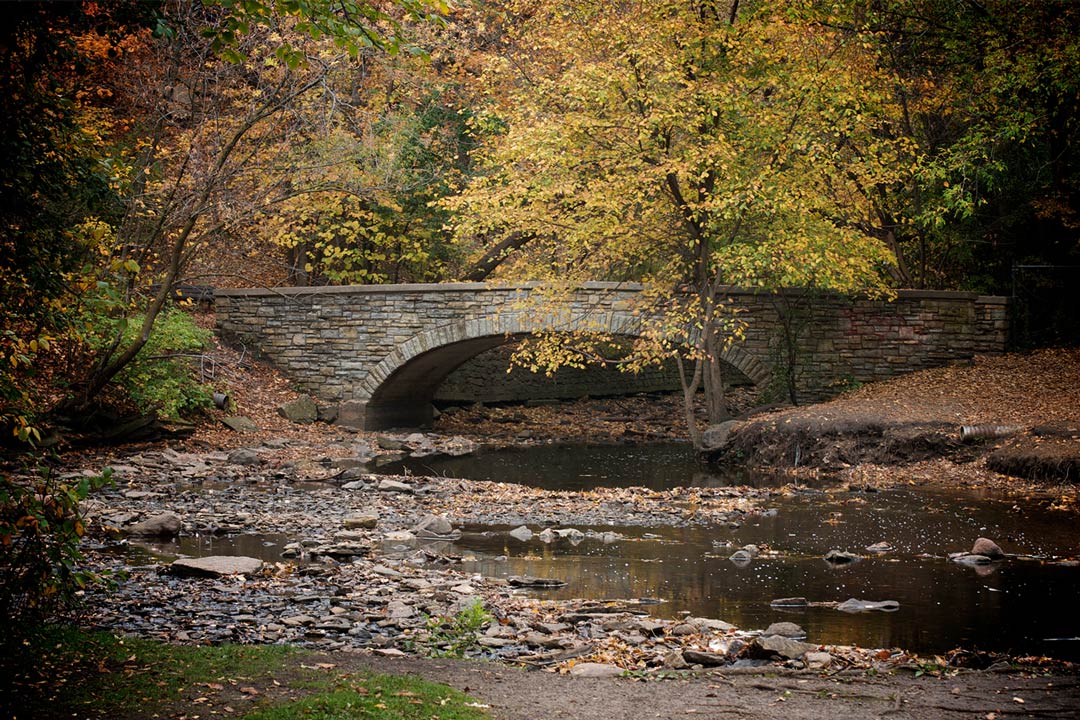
(40, 529)
(353, 25)
(162, 378)
(454, 636)
(379, 696)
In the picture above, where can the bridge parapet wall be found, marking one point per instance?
(344, 343)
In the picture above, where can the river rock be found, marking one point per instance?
(239, 423)
(711, 624)
(389, 443)
(387, 485)
(970, 559)
(595, 670)
(534, 582)
(163, 525)
(987, 547)
(839, 557)
(359, 522)
(879, 547)
(674, 660)
(703, 657)
(715, 437)
(817, 660)
(854, 605)
(434, 526)
(244, 456)
(216, 566)
(791, 602)
(741, 557)
(302, 410)
(779, 645)
(522, 533)
(574, 535)
(785, 629)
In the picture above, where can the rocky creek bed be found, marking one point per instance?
(369, 567)
(367, 572)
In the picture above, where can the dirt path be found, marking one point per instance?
(516, 694)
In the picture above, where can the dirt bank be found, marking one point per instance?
(1013, 414)
(513, 693)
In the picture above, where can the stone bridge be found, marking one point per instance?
(381, 352)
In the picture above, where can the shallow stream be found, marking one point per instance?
(1019, 605)
(1028, 603)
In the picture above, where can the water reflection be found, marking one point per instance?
(584, 467)
(1009, 606)
(265, 546)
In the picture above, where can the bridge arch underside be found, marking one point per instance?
(406, 397)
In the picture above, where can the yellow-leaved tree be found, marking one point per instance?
(689, 146)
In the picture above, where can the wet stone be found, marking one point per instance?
(987, 547)
(163, 525)
(785, 629)
(703, 657)
(782, 646)
(245, 456)
(357, 522)
(791, 602)
(522, 533)
(854, 605)
(216, 566)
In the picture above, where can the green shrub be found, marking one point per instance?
(162, 376)
(453, 636)
(40, 529)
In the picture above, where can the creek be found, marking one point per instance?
(1025, 604)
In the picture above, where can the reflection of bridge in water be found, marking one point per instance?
(382, 351)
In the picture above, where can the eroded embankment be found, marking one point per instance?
(809, 439)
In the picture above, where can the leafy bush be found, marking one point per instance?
(40, 529)
(161, 377)
(453, 636)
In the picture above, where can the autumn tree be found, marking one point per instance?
(206, 162)
(54, 190)
(986, 93)
(690, 146)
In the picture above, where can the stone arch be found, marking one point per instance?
(398, 391)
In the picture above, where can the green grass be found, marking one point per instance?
(378, 696)
(59, 671)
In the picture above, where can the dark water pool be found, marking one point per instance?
(582, 467)
(1028, 604)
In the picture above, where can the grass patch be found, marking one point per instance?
(59, 671)
(379, 696)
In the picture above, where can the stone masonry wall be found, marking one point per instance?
(330, 340)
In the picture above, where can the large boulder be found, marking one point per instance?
(434, 526)
(987, 547)
(772, 645)
(302, 410)
(163, 525)
(715, 437)
(216, 566)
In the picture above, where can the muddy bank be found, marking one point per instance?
(807, 439)
(1018, 415)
